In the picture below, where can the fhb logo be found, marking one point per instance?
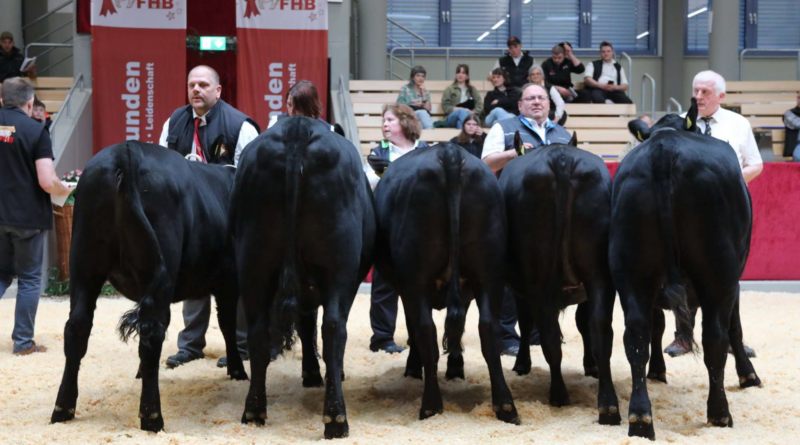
(108, 5)
(252, 9)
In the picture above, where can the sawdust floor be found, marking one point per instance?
(201, 405)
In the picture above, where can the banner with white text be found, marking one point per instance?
(138, 69)
(280, 42)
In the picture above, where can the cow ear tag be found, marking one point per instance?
(688, 122)
(639, 136)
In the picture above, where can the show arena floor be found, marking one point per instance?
(201, 405)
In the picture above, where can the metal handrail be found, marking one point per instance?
(46, 15)
(46, 45)
(53, 65)
(351, 129)
(672, 100)
(652, 95)
(424, 42)
(51, 32)
(788, 50)
(630, 70)
(65, 105)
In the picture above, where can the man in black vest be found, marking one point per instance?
(605, 78)
(791, 144)
(558, 71)
(516, 63)
(206, 130)
(27, 179)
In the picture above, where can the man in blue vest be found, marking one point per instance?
(535, 130)
(207, 130)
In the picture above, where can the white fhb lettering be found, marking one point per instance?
(275, 100)
(132, 102)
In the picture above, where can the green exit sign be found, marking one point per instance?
(211, 43)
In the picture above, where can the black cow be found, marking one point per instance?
(681, 217)
(303, 224)
(558, 201)
(441, 226)
(155, 226)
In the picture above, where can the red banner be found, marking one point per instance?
(139, 69)
(280, 42)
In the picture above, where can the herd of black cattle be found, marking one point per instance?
(296, 227)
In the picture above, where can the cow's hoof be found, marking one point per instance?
(455, 373)
(152, 422)
(237, 374)
(721, 422)
(609, 415)
(591, 371)
(254, 417)
(312, 380)
(139, 373)
(750, 381)
(62, 414)
(413, 373)
(641, 426)
(507, 412)
(522, 367)
(426, 413)
(335, 429)
(657, 376)
(559, 398)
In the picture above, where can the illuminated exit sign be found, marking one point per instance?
(211, 43)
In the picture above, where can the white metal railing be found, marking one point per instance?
(65, 107)
(652, 94)
(672, 100)
(400, 45)
(746, 50)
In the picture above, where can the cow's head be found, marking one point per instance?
(674, 121)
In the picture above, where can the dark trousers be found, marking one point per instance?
(382, 312)
(21, 253)
(508, 321)
(196, 316)
(599, 96)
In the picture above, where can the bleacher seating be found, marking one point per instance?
(602, 129)
(52, 91)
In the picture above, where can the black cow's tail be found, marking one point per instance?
(663, 158)
(142, 255)
(296, 138)
(453, 161)
(564, 164)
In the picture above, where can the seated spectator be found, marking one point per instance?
(471, 136)
(557, 113)
(501, 103)
(11, 59)
(39, 114)
(417, 97)
(792, 121)
(515, 62)
(605, 79)
(558, 71)
(634, 142)
(461, 98)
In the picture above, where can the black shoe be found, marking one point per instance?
(223, 361)
(181, 358)
(511, 351)
(391, 348)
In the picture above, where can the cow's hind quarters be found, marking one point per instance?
(62, 414)
(722, 422)
(750, 381)
(336, 428)
(641, 426)
(257, 416)
(522, 366)
(657, 376)
(609, 415)
(312, 379)
(152, 422)
(507, 412)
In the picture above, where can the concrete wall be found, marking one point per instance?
(34, 9)
(339, 42)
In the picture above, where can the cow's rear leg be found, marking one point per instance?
(455, 359)
(84, 290)
(154, 317)
(638, 306)
(414, 361)
(226, 314)
(491, 345)
(658, 368)
(306, 330)
(744, 367)
(600, 307)
(334, 337)
(522, 365)
(258, 344)
(716, 322)
(424, 331)
(550, 332)
(582, 316)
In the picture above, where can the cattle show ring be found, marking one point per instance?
(416, 221)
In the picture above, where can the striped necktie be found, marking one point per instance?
(707, 121)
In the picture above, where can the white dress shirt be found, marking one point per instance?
(607, 74)
(495, 141)
(246, 135)
(734, 129)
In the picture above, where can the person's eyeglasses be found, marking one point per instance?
(533, 99)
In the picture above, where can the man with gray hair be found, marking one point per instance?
(708, 88)
(27, 179)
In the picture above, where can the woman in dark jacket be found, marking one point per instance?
(471, 136)
(503, 101)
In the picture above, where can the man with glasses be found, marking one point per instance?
(536, 130)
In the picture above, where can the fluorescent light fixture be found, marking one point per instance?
(644, 34)
(526, 2)
(483, 36)
(699, 11)
(498, 24)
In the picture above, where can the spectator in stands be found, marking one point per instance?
(471, 136)
(633, 143)
(557, 113)
(515, 62)
(39, 114)
(502, 102)
(11, 59)
(27, 180)
(401, 131)
(792, 121)
(709, 90)
(461, 98)
(558, 71)
(605, 79)
(417, 97)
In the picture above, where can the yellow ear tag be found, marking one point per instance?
(639, 136)
(688, 122)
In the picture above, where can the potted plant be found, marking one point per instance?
(63, 224)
